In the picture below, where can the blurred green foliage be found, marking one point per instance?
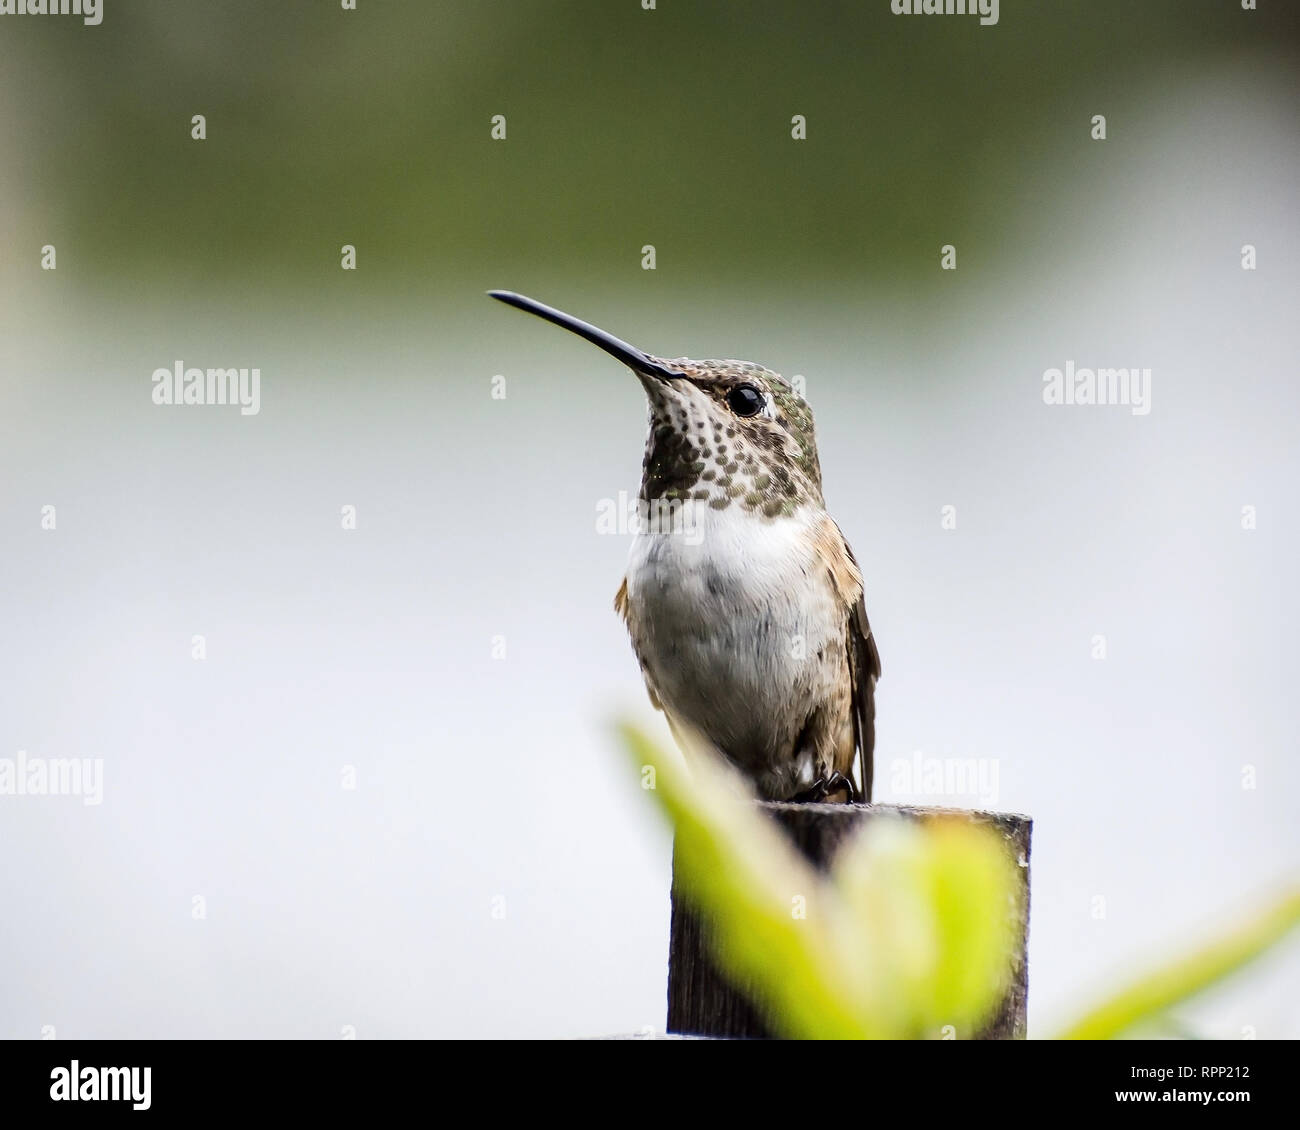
(1148, 999)
(625, 126)
(911, 932)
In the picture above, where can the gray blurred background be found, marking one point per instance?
(496, 870)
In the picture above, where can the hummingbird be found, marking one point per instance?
(745, 609)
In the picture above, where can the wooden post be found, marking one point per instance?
(702, 1002)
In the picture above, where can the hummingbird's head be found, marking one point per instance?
(729, 433)
(722, 433)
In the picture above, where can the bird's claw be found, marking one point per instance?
(824, 786)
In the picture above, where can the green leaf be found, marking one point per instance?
(1147, 999)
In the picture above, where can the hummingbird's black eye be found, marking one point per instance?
(745, 400)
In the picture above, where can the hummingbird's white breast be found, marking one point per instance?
(739, 633)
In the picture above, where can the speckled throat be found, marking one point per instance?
(699, 449)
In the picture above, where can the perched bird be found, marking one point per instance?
(742, 598)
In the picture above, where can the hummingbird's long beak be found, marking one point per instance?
(628, 354)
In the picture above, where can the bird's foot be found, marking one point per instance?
(823, 787)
